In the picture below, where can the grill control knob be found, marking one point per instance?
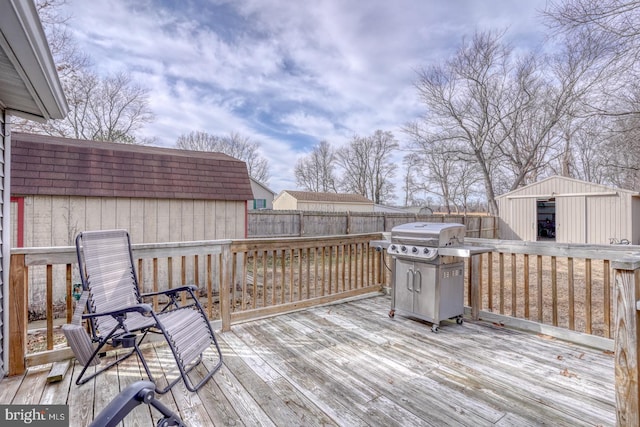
(403, 248)
(426, 251)
(414, 250)
(394, 247)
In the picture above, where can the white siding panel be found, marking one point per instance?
(60, 230)
(188, 223)
(199, 207)
(39, 221)
(161, 212)
(136, 229)
(210, 220)
(108, 213)
(221, 220)
(175, 221)
(518, 219)
(123, 213)
(570, 219)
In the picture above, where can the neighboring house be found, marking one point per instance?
(389, 209)
(568, 210)
(29, 88)
(262, 196)
(321, 202)
(63, 186)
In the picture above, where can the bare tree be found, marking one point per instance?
(464, 99)
(439, 170)
(316, 171)
(606, 150)
(367, 166)
(234, 145)
(505, 114)
(109, 108)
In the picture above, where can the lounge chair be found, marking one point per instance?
(118, 315)
(135, 394)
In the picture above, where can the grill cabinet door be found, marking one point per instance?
(425, 304)
(403, 285)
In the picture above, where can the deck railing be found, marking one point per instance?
(259, 277)
(554, 287)
(589, 292)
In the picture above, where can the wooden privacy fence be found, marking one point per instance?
(303, 223)
(237, 280)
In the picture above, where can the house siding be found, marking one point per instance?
(5, 239)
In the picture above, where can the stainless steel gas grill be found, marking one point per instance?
(428, 271)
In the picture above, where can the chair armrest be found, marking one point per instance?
(191, 288)
(138, 308)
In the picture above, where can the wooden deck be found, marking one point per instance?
(350, 364)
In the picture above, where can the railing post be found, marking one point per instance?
(226, 288)
(627, 292)
(476, 294)
(18, 314)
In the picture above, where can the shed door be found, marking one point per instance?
(522, 218)
(571, 219)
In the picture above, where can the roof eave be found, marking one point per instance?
(22, 38)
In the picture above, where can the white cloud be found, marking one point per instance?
(285, 73)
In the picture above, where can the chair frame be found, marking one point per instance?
(116, 338)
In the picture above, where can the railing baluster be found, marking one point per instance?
(501, 266)
(571, 294)
(49, 309)
(490, 281)
(587, 297)
(607, 297)
(514, 284)
(183, 278)
(554, 290)
(155, 284)
(69, 294)
(527, 312)
(209, 286)
(539, 288)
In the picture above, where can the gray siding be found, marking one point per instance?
(5, 241)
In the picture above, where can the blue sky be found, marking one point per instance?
(286, 73)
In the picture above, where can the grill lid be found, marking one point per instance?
(432, 234)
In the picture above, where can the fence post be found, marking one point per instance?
(627, 292)
(18, 314)
(301, 224)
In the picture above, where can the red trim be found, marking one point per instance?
(19, 220)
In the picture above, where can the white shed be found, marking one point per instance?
(570, 211)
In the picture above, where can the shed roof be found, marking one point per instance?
(546, 188)
(312, 196)
(46, 165)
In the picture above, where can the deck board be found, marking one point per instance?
(350, 364)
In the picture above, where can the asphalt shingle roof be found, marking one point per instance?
(310, 196)
(46, 165)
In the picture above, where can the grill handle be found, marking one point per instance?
(410, 280)
(419, 274)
